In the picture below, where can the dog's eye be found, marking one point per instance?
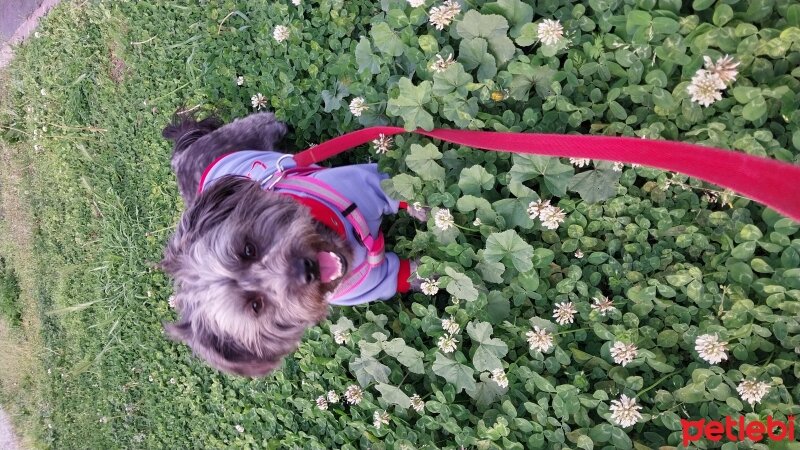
(249, 251)
(256, 304)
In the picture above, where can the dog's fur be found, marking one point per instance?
(240, 255)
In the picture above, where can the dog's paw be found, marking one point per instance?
(419, 212)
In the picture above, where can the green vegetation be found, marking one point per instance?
(80, 124)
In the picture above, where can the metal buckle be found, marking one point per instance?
(280, 173)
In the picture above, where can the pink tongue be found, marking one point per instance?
(329, 266)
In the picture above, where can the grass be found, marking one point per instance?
(89, 201)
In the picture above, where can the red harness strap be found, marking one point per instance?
(765, 180)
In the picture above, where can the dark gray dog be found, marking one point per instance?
(256, 263)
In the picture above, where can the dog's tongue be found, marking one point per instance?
(330, 266)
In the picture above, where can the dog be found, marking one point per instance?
(264, 248)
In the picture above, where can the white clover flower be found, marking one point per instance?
(623, 353)
(705, 88)
(603, 305)
(429, 287)
(443, 219)
(258, 101)
(564, 313)
(383, 144)
(551, 217)
(710, 348)
(173, 302)
(442, 16)
(322, 404)
(617, 167)
(417, 403)
(477, 222)
(536, 208)
(578, 254)
(239, 80)
(239, 428)
(441, 64)
(450, 325)
(333, 397)
(297, 2)
(539, 339)
(447, 343)
(550, 31)
(416, 3)
(724, 68)
(752, 391)
(499, 377)
(358, 105)
(624, 412)
(280, 33)
(341, 336)
(353, 394)
(43, 92)
(580, 162)
(37, 35)
(380, 418)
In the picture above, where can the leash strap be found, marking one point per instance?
(765, 180)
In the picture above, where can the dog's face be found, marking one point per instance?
(252, 271)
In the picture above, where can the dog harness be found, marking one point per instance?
(335, 197)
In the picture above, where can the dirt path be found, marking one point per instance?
(18, 19)
(8, 441)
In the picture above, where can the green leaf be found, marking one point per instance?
(366, 60)
(526, 76)
(492, 28)
(386, 40)
(595, 185)
(393, 395)
(460, 286)
(528, 35)
(407, 356)
(749, 232)
(722, 15)
(514, 212)
(515, 11)
(556, 175)
(458, 374)
(460, 111)
(542, 257)
(473, 53)
(410, 105)
(428, 45)
(542, 383)
(475, 178)
(470, 203)
(509, 248)
(368, 369)
(453, 79)
(755, 110)
(333, 100)
(486, 392)
(422, 160)
(490, 350)
(491, 272)
(403, 186)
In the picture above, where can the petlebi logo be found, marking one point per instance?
(738, 429)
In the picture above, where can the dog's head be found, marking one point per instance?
(252, 271)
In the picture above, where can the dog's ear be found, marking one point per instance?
(212, 207)
(179, 332)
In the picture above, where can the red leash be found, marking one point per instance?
(765, 180)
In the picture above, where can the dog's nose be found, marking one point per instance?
(310, 270)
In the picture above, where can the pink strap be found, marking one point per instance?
(765, 180)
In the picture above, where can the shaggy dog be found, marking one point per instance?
(256, 259)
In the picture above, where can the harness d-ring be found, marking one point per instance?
(280, 173)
